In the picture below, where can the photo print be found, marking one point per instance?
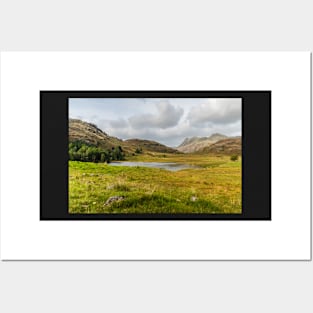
(155, 156)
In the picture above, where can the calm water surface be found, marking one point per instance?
(167, 166)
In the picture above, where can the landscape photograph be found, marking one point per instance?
(155, 156)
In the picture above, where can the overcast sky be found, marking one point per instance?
(167, 121)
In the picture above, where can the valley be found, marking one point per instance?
(207, 182)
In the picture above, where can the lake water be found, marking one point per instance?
(167, 166)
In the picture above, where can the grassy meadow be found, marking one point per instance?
(213, 187)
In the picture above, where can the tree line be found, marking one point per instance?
(80, 151)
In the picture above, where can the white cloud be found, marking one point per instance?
(173, 136)
(168, 121)
(167, 115)
(215, 111)
(120, 123)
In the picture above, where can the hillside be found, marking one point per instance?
(195, 144)
(149, 145)
(92, 135)
(227, 146)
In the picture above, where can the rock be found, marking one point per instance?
(114, 199)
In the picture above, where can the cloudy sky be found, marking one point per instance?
(167, 121)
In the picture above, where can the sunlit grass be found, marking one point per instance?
(214, 187)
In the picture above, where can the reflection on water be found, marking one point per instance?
(167, 166)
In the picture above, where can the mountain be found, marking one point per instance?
(91, 134)
(195, 144)
(225, 146)
(217, 137)
(190, 140)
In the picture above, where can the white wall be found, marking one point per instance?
(149, 286)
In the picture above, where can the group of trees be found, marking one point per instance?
(138, 150)
(80, 151)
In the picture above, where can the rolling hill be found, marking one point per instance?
(150, 145)
(92, 135)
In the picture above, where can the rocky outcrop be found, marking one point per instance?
(113, 200)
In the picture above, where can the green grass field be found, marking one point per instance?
(213, 187)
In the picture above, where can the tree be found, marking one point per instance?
(80, 151)
(138, 150)
(102, 157)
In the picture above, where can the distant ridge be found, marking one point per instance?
(150, 145)
(229, 146)
(194, 144)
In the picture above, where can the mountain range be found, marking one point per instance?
(91, 134)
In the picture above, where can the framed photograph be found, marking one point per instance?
(155, 156)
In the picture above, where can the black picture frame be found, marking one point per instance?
(256, 154)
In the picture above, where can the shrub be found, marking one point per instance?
(234, 158)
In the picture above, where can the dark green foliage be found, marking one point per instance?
(234, 158)
(138, 150)
(117, 153)
(81, 151)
